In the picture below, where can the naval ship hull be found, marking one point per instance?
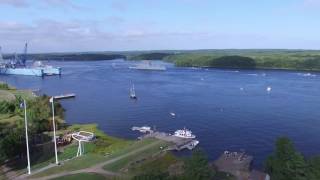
(148, 68)
(49, 71)
(22, 71)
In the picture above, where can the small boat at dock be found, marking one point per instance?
(190, 145)
(143, 129)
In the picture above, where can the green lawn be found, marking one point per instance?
(137, 157)
(82, 176)
(160, 163)
(74, 164)
(92, 158)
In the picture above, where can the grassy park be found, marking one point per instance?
(118, 157)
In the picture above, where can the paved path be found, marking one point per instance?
(98, 168)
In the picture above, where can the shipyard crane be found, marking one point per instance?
(24, 55)
(1, 57)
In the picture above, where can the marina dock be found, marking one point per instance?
(239, 165)
(65, 96)
(178, 143)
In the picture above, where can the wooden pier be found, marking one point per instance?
(65, 96)
(178, 143)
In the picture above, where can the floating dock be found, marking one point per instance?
(178, 143)
(65, 96)
(143, 129)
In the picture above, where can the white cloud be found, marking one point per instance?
(118, 5)
(43, 3)
(55, 36)
(49, 35)
(311, 3)
(15, 3)
(62, 4)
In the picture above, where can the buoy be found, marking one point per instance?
(269, 88)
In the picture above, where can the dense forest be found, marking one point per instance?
(150, 56)
(265, 61)
(253, 59)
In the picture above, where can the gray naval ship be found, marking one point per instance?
(148, 65)
(17, 66)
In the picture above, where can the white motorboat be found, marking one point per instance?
(184, 133)
(269, 89)
(143, 129)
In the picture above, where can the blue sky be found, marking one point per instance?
(115, 25)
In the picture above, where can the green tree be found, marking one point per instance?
(286, 163)
(12, 144)
(314, 168)
(12, 138)
(152, 175)
(197, 167)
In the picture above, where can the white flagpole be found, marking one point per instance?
(26, 125)
(54, 131)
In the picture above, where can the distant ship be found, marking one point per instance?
(148, 65)
(184, 133)
(17, 66)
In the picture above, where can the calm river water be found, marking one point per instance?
(226, 109)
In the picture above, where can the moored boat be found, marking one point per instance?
(184, 133)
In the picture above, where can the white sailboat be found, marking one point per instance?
(133, 92)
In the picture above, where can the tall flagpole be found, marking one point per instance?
(26, 125)
(54, 132)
